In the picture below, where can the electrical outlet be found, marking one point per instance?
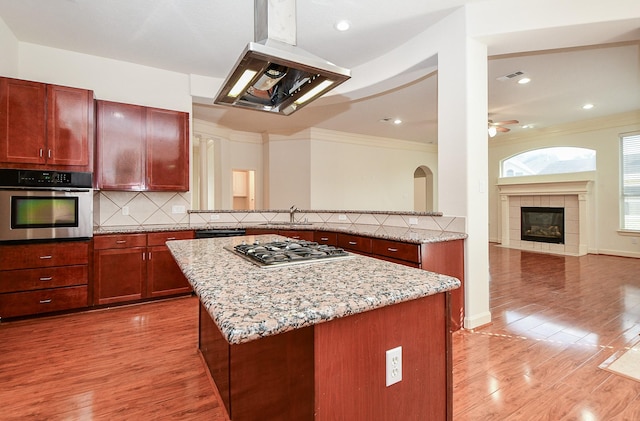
(215, 216)
(394, 365)
(342, 217)
(125, 210)
(634, 240)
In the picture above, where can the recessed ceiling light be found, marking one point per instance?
(524, 80)
(343, 25)
(397, 121)
(587, 106)
(527, 126)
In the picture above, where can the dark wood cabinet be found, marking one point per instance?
(164, 275)
(326, 237)
(297, 234)
(45, 125)
(132, 267)
(294, 234)
(141, 148)
(120, 268)
(43, 278)
(356, 243)
(167, 150)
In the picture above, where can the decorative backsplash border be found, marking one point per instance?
(171, 210)
(417, 220)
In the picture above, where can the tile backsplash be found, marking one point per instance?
(117, 208)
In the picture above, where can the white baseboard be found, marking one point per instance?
(617, 253)
(477, 320)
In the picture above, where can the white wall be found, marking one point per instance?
(8, 51)
(232, 151)
(602, 135)
(319, 169)
(109, 79)
(354, 173)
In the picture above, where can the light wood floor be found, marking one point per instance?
(555, 319)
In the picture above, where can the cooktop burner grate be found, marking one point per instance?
(281, 253)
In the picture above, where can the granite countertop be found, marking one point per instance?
(408, 235)
(248, 302)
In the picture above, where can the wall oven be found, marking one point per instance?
(45, 205)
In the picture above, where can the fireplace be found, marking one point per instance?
(541, 224)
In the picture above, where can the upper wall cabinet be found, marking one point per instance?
(141, 148)
(45, 125)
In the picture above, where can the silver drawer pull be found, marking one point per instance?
(324, 239)
(353, 243)
(45, 257)
(121, 241)
(170, 238)
(46, 278)
(47, 301)
(392, 250)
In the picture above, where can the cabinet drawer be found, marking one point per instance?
(119, 241)
(159, 238)
(26, 256)
(397, 250)
(42, 301)
(297, 235)
(354, 242)
(328, 238)
(42, 278)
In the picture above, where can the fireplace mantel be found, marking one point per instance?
(512, 192)
(545, 188)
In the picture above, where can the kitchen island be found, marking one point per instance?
(309, 341)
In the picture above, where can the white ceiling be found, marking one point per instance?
(205, 37)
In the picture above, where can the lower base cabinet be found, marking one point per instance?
(131, 267)
(43, 277)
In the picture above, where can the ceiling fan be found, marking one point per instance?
(495, 127)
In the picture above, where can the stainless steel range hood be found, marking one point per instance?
(274, 75)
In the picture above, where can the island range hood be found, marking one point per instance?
(272, 73)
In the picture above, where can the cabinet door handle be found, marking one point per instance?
(45, 257)
(40, 152)
(121, 241)
(353, 243)
(49, 153)
(47, 301)
(46, 278)
(149, 255)
(391, 249)
(143, 256)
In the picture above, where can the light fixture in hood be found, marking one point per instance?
(274, 75)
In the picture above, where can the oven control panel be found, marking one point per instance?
(37, 178)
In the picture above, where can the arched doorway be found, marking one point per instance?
(423, 189)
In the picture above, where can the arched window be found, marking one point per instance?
(556, 160)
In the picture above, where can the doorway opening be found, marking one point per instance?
(423, 189)
(244, 189)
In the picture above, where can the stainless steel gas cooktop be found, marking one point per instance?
(288, 252)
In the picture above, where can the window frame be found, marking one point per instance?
(624, 195)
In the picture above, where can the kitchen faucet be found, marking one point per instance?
(292, 212)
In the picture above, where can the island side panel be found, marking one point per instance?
(267, 379)
(272, 377)
(357, 344)
(215, 352)
(447, 258)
